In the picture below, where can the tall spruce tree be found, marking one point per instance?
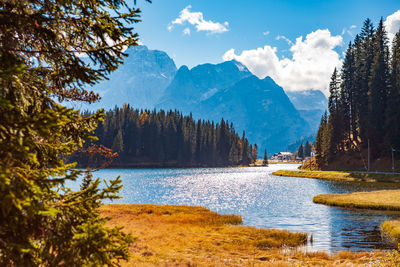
(335, 115)
(378, 88)
(300, 151)
(307, 149)
(363, 64)
(347, 97)
(42, 223)
(392, 126)
(265, 160)
(321, 141)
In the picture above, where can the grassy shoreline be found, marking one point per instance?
(376, 200)
(341, 176)
(195, 236)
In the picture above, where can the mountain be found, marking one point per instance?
(311, 104)
(140, 81)
(149, 79)
(308, 99)
(228, 90)
(189, 87)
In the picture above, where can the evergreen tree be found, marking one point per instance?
(320, 141)
(42, 223)
(347, 96)
(364, 72)
(378, 88)
(392, 128)
(265, 161)
(300, 152)
(254, 153)
(307, 149)
(335, 115)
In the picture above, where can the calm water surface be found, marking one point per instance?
(262, 199)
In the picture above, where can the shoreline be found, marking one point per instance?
(385, 200)
(341, 176)
(190, 235)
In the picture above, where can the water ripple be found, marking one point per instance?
(262, 199)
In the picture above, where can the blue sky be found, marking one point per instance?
(272, 27)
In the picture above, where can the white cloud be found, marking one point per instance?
(349, 30)
(392, 25)
(186, 31)
(281, 37)
(310, 66)
(266, 33)
(197, 20)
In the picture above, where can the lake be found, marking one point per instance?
(262, 199)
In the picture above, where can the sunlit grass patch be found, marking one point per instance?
(378, 200)
(183, 234)
(341, 176)
(391, 230)
(195, 236)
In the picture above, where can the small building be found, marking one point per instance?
(283, 156)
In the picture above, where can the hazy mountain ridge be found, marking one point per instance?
(311, 104)
(140, 81)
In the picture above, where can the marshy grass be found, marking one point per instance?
(391, 230)
(195, 236)
(377, 200)
(341, 176)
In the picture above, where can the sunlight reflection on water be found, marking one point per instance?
(262, 199)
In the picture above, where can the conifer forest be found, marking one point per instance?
(364, 100)
(159, 138)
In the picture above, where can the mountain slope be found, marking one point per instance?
(261, 108)
(228, 90)
(200, 83)
(311, 104)
(140, 81)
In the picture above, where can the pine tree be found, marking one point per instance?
(320, 142)
(392, 126)
(300, 152)
(347, 97)
(335, 115)
(363, 73)
(307, 149)
(265, 161)
(254, 153)
(42, 223)
(378, 88)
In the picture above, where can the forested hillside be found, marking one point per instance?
(364, 102)
(168, 139)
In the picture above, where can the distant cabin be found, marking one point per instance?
(282, 156)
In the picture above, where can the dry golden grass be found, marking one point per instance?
(195, 236)
(391, 230)
(379, 200)
(341, 176)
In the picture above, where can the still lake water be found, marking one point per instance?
(262, 199)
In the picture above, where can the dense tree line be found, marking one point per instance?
(304, 151)
(151, 138)
(364, 102)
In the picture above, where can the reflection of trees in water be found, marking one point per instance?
(358, 229)
(350, 187)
